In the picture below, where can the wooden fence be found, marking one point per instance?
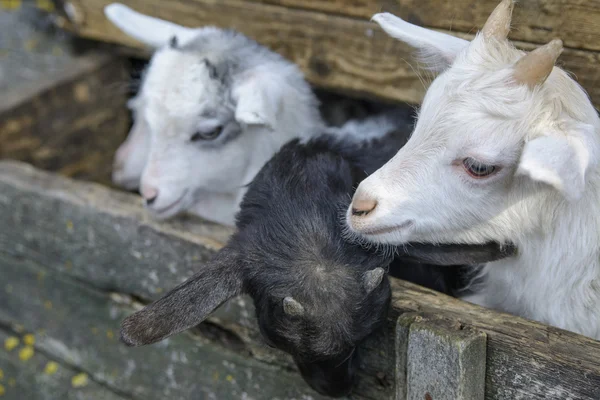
(338, 48)
(76, 257)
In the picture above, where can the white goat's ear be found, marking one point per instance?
(558, 161)
(258, 98)
(151, 31)
(438, 50)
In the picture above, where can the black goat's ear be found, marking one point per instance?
(457, 254)
(188, 304)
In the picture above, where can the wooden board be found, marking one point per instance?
(28, 373)
(71, 121)
(103, 239)
(78, 325)
(535, 21)
(335, 52)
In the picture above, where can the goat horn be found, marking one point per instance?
(534, 68)
(498, 24)
(292, 307)
(372, 279)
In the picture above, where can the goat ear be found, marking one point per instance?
(457, 254)
(151, 31)
(558, 160)
(258, 99)
(188, 304)
(438, 50)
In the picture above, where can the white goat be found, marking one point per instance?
(506, 147)
(213, 108)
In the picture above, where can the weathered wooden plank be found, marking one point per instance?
(525, 359)
(26, 373)
(335, 52)
(70, 121)
(102, 237)
(536, 21)
(445, 362)
(80, 328)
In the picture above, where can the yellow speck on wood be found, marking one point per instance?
(8, 288)
(29, 339)
(10, 343)
(41, 275)
(31, 44)
(12, 125)
(1, 375)
(81, 91)
(158, 290)
(12, 382)
(2, 390)
(45, 5)
(94, 330)
(51, 368)
(110, 334)
(48, 305)
(79, 380)
(69, 226)
(216, 376)
(57, 51)
(26, 353)
(10, 4)
(229, 378)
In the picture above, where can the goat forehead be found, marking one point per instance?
(179, 83)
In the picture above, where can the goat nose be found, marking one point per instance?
(149, 194)
(363, 206)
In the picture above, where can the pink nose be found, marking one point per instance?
(363, 206)
(149, 193)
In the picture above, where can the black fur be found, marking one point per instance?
(290, 243)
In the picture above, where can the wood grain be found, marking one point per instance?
(43, 378)
(80, 327)
(71, 121)
(335, 52)
(535, 21)
(103, 238)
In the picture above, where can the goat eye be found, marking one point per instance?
(477, 169)
(207, 135)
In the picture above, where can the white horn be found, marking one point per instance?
(151, 31)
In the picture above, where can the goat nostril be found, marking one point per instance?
(149, 194)
(363, 207)
(149, 201)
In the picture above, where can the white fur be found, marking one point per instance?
(132, 154)
(265, 99)
(545, 197)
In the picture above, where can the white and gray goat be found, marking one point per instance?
(506, 147)
(213, 107)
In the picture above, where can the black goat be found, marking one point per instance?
(317, 296)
